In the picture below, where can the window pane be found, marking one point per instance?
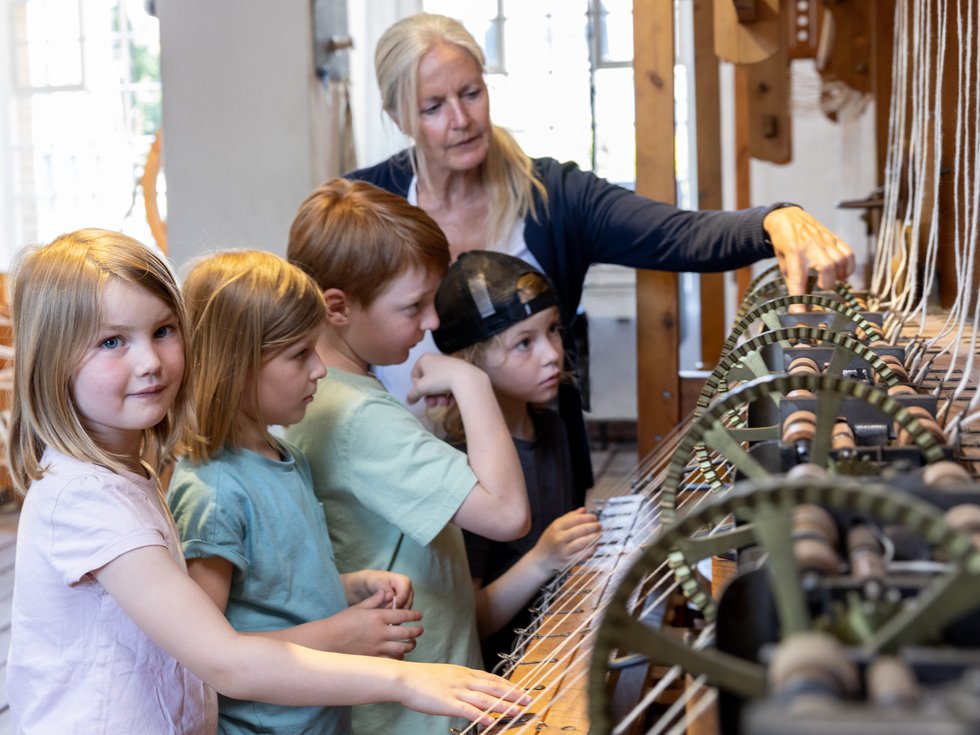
(545, 100)
(615, 31)
(79, 152)
(483, 19)
(49, 48)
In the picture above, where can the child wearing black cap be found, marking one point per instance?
(393, 492)
(500, 314)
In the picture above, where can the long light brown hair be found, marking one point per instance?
(244, 308)
(508, 172)
(56, 308)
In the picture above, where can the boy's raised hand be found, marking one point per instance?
(440, 376)
(565, 539)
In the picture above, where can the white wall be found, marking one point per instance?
(832, 161)
(239, 104)
(248, 126)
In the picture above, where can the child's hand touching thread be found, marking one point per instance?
(369, 629)
(397, 588)
(566, 539)
(470, 694)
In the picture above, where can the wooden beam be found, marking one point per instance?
(743, 42)
(743, 188)
(658, 381)
(882, 48)
(708, 124)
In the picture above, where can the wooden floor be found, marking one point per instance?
(612, 465)
(8, 536)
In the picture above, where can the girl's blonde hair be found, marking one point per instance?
(447, 420)
(56, 309)
(244, 307)
(508, 172)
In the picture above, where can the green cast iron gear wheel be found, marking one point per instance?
(766, 285)
(767, 505)
(747, 354)
(769, 309)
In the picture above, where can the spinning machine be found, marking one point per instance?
(802, 553)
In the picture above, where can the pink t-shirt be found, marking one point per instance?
(77, 663)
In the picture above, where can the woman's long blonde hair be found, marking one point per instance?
(508, 172)
(56, 308)
(244, 307)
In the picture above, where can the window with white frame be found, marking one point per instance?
(85, 108)
(571, 94)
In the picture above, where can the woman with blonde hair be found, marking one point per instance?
(473, 179)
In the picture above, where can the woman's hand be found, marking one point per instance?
(801, 243)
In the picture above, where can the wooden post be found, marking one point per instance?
(708, 123)
(743, 183)
(658, 380)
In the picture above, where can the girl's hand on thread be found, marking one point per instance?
(565, 539)
(455, 691)
(366, 629)
(397, 588)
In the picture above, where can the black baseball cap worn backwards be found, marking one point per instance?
(479, 298)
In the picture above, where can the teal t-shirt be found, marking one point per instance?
(261, 516)
(390, 489)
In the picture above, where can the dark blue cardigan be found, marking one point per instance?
(588, 220)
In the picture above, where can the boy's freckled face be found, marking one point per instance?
(384, 332)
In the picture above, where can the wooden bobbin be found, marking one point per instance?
(890, 682)
(801, 393)
(902, 389)
(842, 438)
(896, 366)
(965, 518)
(815, 539)
(812, 672)
(945, 473)
(806, 469)
(865, 554)
(803, 365)
(927, 421)
(799, 426)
